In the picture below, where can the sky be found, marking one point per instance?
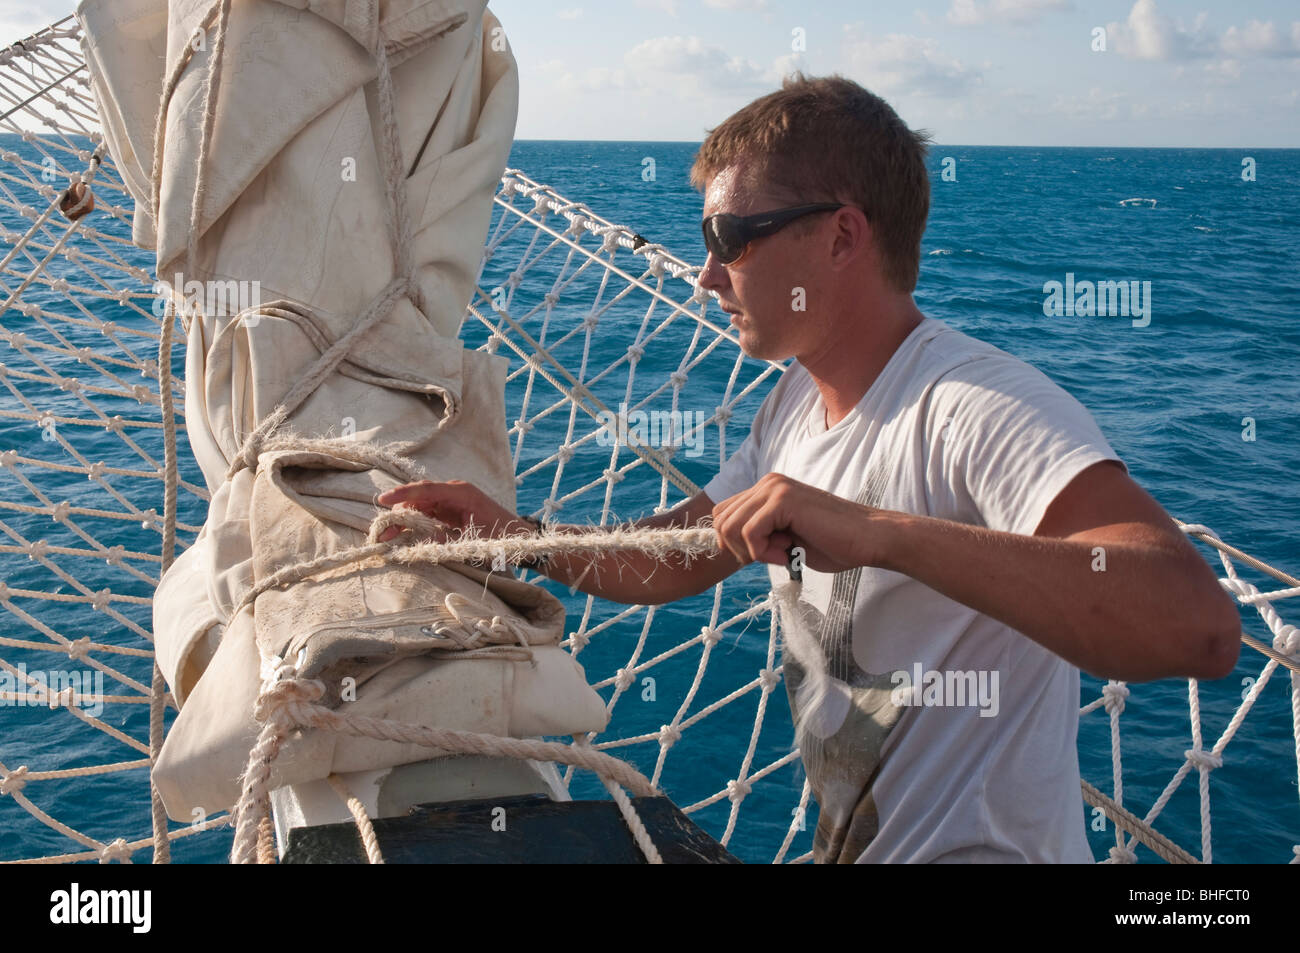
(972, 72)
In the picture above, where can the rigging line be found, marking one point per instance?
(40, 93)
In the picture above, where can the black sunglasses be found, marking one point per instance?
(727, 237)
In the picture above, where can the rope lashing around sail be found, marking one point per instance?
(287, 701)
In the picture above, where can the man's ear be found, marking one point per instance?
(852, 237)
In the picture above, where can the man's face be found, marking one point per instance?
(760, 290)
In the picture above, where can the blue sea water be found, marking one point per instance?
(1171, 397)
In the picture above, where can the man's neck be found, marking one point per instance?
(848, 365)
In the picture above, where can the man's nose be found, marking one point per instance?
(714, 275)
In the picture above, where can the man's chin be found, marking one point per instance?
(758, 349)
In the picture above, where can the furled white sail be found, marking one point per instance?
(286, 191)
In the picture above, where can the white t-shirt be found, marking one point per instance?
(956, 429)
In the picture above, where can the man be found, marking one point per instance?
(961, 518)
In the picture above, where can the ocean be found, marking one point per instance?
(1199, 396)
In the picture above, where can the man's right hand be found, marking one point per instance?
(456, 503)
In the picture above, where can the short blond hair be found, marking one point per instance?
(828, 139)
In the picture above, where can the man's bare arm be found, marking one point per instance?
(636, 578)
(628, 576)
(1155, 611)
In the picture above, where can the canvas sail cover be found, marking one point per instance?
(293, 212)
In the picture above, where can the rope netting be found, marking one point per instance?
(620, 394)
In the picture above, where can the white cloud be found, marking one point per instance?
(1261, 39)
(690, 63)
(974, 12)
(572, 14)
(1224, 69)
(1148, 34)
(790, 63)
(684, 65)
(904, 64)
(592, 79)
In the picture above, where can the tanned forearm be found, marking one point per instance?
(634, 577)
(1155, 609)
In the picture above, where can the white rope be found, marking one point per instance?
(369, 840)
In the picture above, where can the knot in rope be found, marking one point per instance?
(768, 679)
(14, 781)
(678, 379)
(8, 458)
(1203, 759)
(579, 641)
(722, 415)
(1115, 693)
(710, 636)
(624, 679)
(1122, 855)
(100, 599)
(119, 851)
(60, 511)
(523, 426)
(669, 735)
(37, 549)
(115, 554)
(635, 352)
(590, 321)
(613, 475)
(77, 650)
(285, 689)
(1287, 640)
(1238, 587)
(738, 790)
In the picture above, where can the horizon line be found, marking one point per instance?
(933, 146)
